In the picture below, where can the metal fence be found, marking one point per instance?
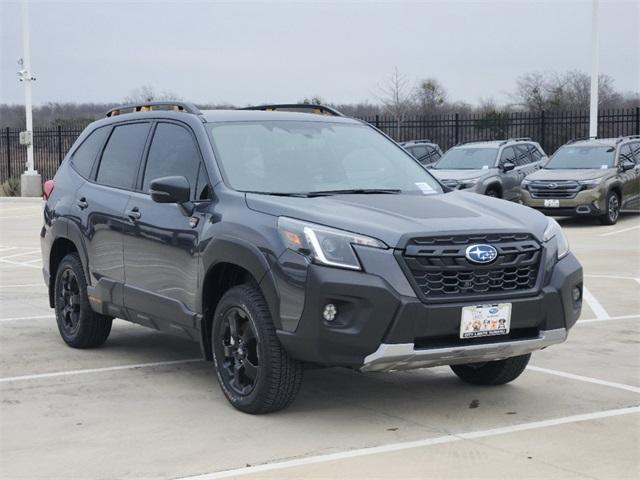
(550, 129)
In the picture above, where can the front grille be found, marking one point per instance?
(439, 270)
(551, 189)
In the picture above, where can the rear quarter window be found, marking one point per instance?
(85, 155)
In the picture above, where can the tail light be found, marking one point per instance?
(48, 189)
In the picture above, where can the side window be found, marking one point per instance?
(84, 156)
(536, 154)
(626, 154)
(522, 155)
(418, 152)
(121, 157)
(173, 152)
(508, 155)
(635, 151)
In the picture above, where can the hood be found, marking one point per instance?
(391, 217)
(459, 174)
(569, 174)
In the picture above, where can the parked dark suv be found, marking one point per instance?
(280, 240)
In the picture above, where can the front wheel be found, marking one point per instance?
(497, 372)
(255, 373)
(612, 213)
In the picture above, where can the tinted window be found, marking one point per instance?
(625, 154)
(635, 151)
(417, 152)
(522, 155)
(536, 154)
(173, 152)
(121, 156)
(508, 155)
(83, 158)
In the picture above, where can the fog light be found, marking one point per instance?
(576, 293)
(330, 312)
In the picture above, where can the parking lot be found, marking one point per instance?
(145, 406)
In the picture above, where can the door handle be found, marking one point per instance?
(82, 203)
(134, 214)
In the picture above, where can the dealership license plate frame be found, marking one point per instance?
(552, 203)
(477, 321)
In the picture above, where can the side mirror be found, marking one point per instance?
(626, 165)
(508, 166)
(170, 190)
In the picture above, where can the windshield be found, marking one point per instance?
(581, 157)
(288, 157)
(468, 159)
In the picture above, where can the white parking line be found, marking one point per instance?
(594, 304)
(615, 232)
(621, 317)
(97, 370)
(25, 285)
(32, 317)
(614, 277)
(394, 447)
(581, 378)
(19, 264)
(31, 252)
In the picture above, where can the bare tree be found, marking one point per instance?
(146, 93)
(396, 96)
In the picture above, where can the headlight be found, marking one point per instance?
(554, 230)
(590, 183)
(324, 245)
(525, 183)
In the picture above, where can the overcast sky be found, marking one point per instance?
(253, 52)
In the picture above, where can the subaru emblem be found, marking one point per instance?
(481, 253)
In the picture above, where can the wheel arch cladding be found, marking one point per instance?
(494, 185)
(230, 262)
(61, 247)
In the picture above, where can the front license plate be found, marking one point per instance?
(485, 320)
(552, 203)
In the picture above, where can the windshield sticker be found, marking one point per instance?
(604, 167)
(425, 188)
(485, 167)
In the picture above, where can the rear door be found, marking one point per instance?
(100, 203)
(161, 241)
(510, 180)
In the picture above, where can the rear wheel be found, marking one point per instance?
(497, 372)
(255, 373)
(78, 324)
(612, 213)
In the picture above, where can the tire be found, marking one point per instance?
(497, 372)
(78, 324)
(492, 192)
(255, 373)
(612, 206)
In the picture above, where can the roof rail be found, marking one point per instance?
(150, 106)
(519, 139)
(579, 139)
(315, 108)
(479, 140)
(627, 137)
(422, 140)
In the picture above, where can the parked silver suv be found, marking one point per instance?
(495, 168)
(425, 151)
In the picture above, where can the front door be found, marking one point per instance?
(161, 240)
(510, 180)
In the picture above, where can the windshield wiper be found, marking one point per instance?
(280, 194)
(354, 191)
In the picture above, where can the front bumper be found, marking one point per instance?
(585, 203)
(382, 325)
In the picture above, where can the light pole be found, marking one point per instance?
(30, 181)
(593, 110)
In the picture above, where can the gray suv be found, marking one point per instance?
(425, 151)
(495, 167)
